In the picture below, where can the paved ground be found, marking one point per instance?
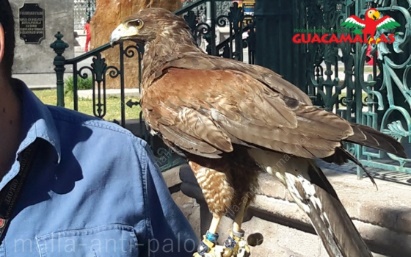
(381, 216)
(392, 176)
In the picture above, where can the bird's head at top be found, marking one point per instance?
(146, 25)
(372, 14)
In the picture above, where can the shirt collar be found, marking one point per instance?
(37, 121)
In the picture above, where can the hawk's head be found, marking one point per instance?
(147, 25)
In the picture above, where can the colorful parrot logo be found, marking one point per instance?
(369, 26)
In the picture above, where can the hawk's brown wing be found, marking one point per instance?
(205, 111)
(198, 61)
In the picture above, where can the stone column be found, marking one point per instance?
(38, 57)
(108, 15)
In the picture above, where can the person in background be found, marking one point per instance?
(87, 30)
(74, 185)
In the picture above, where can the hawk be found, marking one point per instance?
(232, 120)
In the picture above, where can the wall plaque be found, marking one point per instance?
(31, 19)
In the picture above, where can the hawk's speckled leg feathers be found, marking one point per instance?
(225, 192)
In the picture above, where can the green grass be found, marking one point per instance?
(86, 83)
(49, 96)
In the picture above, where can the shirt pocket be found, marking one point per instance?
(104, 241)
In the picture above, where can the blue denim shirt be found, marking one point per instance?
(93, 191)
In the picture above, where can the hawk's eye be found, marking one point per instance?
(136, 23)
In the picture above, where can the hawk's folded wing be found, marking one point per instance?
(205, 111)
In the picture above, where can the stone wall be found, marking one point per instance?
(109, 13)
(38, 58)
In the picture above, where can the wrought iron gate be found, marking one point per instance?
(368, 84)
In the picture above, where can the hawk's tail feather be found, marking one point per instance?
(342, 156)
(327, 214)
(373, 138)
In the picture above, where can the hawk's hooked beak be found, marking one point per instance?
(376, 15)
(116, 34)
(122, 32)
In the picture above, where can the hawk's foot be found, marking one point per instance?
(236, 245)
(206, 247)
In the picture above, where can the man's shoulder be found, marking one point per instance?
(67, 120)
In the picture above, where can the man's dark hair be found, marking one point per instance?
(7, 21)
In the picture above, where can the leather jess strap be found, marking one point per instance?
(11, 192)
